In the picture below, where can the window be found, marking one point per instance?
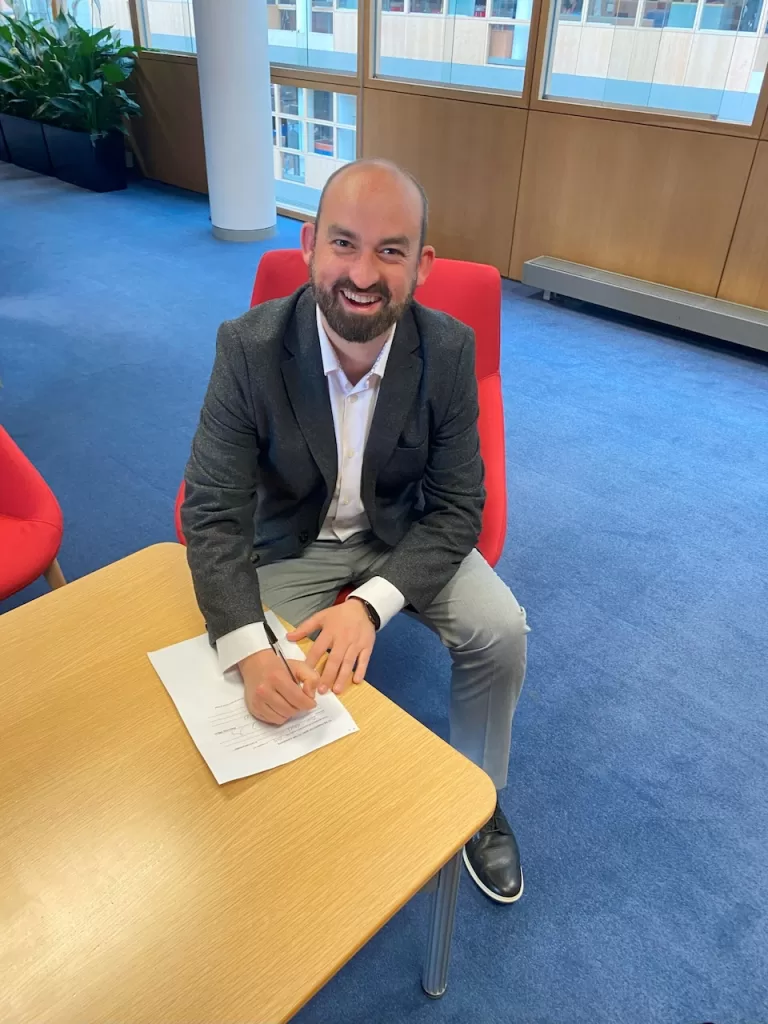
(699, 58)
(315, 34)
(314, 133)
(323, 139)
(169, 25)
(322, 21)
(480, 44)
(613, 12)
(89, 14)
(302, 33)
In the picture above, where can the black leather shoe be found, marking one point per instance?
(493, 860)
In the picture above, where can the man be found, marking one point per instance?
(338, 446)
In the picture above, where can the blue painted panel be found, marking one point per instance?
(731, 106)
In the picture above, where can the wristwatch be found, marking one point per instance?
(373, 615)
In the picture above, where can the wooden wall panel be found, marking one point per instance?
(169, 137)
(746, 272)
(467, 156)
(654, 203)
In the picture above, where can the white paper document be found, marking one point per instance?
(212, 706)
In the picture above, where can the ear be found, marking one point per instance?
(426, 260)
(307, 241)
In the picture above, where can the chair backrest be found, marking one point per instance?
(471, 292)
(24, 494)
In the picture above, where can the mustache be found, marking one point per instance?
(379, 288)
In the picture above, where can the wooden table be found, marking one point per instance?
(136, 890)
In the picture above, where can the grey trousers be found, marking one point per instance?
(476, 617)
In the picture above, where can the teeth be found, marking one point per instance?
(357, 297)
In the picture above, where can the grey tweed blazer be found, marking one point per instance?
(263, 465)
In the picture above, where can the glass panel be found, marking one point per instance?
(89, 14)
(661, 13)
(613, 12)
(322, 139)
(170, 25)
(293, 167)
(691, 62)
(731, 17)
(290, 134)
(479, 44)
(503, 8)
(290, 99)
(346, 107)
(570, 10)
(307, 152)
(320, 104)
(345, 144)
(322, 21)
(315, 34)
(303, 33)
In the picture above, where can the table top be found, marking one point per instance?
(136, 889)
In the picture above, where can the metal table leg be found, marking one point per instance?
(434, 980)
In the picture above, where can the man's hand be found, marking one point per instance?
(345, 631)
(270, 693)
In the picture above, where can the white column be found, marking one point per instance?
(233, 67)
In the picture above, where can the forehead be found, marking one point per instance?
(373, 202)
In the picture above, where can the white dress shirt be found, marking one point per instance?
(352, 407)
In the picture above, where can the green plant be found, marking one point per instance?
(64, 75)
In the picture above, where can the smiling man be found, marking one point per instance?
(338, 447)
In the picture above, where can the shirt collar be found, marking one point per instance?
(331, 360)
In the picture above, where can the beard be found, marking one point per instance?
(359, 327)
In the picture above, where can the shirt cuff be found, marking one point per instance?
(383, 595)
(240, 643)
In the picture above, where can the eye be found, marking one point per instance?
(389, 251)
(342, 243)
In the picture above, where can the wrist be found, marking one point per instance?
(371, 614)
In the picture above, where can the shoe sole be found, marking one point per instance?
(489, 892)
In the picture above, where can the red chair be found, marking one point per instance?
(31, 523)
(471, 292)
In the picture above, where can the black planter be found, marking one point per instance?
(26, 143)
(4, 154)
(97, 164)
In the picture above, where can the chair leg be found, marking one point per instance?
(54, 576)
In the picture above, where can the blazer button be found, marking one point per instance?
(254, 556)
(303, 537)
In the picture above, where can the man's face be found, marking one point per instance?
(364, 257)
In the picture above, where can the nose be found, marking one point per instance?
(364, 274)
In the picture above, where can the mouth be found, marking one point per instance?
(360, 302)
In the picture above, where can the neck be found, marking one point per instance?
(355, 357)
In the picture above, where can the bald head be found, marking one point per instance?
(381, 180)
(365, 251)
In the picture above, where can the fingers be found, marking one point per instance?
(319, 647)
(332, 665)
(307, 627)
(290, 692)
(307, 676)
(344, 677)
(362, 664)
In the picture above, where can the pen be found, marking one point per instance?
(275, 645)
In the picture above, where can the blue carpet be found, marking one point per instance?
(638, 469)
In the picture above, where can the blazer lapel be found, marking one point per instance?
(396, 394)
(307, 387)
